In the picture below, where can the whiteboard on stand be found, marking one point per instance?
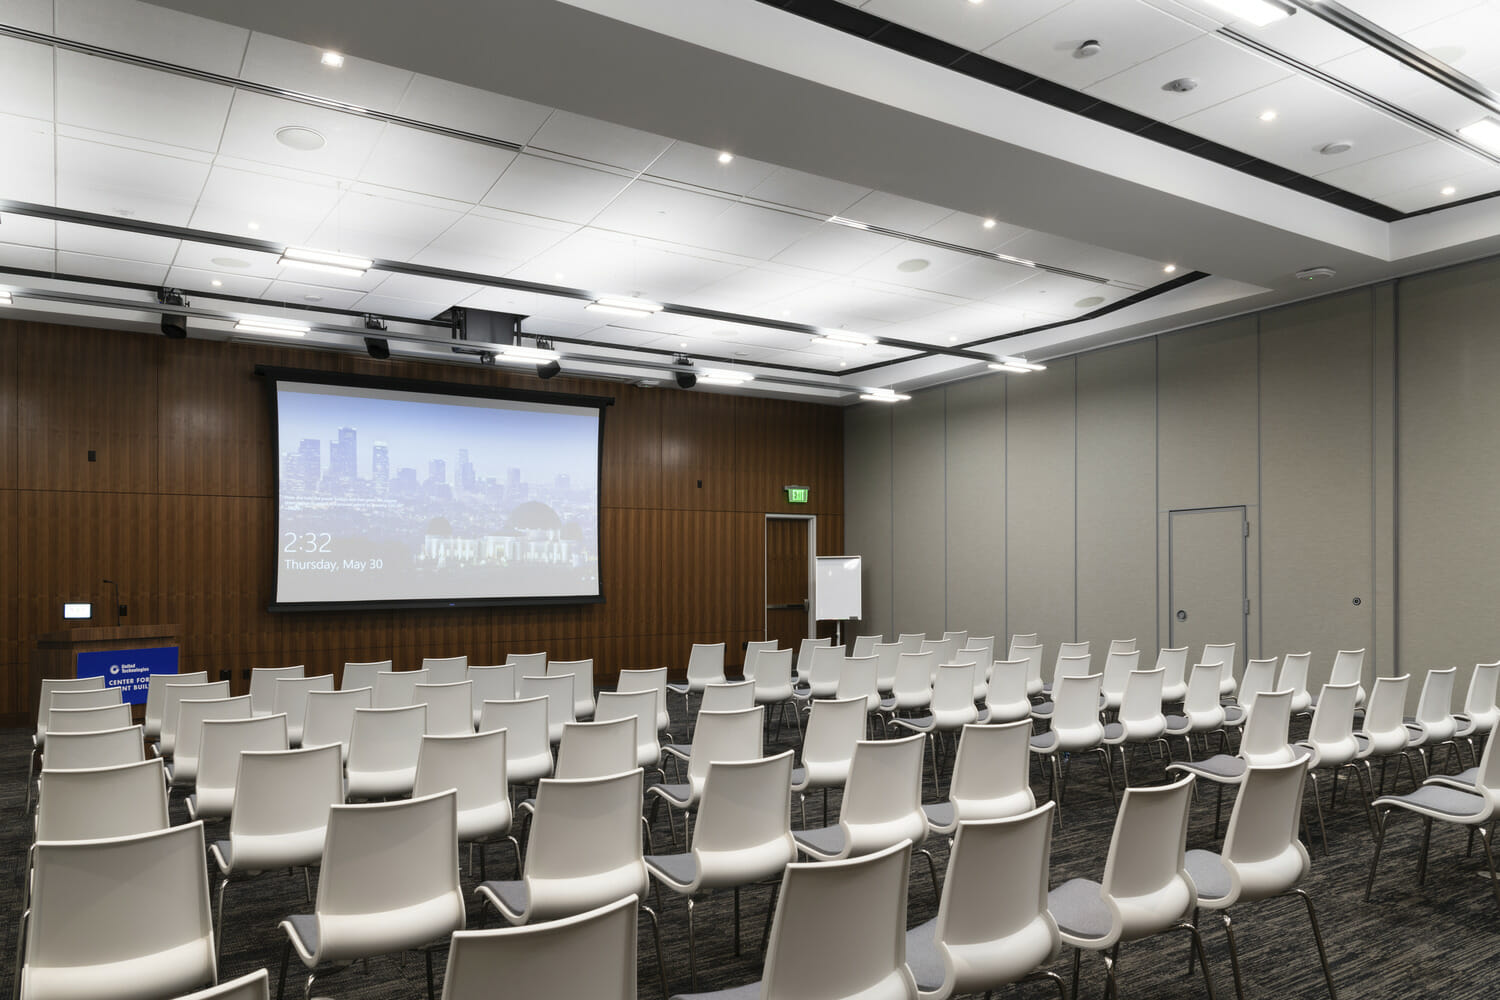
(837, 594)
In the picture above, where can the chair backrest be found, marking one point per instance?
(805, 655)
(1145, 870)
(156, 692)
(744, 825)
(724, 736)
(1264, 856)
(1117, 670)
(864, 645)
(172, 698)
(654, 679)
(640, 706)
(99, 802)
(491, 683)
(993, 925)
(953, 695)
(219, 758)
(1332, 729)
(446, 669)
(263, 685)
(589, 954)
(251, 986)
(1348, 667)
(585, 846)
(191, 714)
(883, 796)
(773, 674)
(1023, 639)
(1219, 652)
(858, 678)
(823, 671)
(362, 674)
(1260, 675)
(705, 663)
(1435, 704)
(525, 723)
(87, 720)
(1140, 704)
(1386, 713)
(1201, 704)
(1293, 675)
(753, 649)
(100, 748)
(1006, 696)
(1073, 666)
(290, 700)
(1032, 654)
(887, 655)
(961, 636)
(528, 663)
(329, 716)
(582, 672)
(450, 707)
(281, 803)
(1174, 662)
(596, 749)
(474, 765)
(151, 929)
(911, 642)
(86, 698)
(386, 740)
(1123, 646)
(394, 688)
(1067, 649)
(1479, 702)
(915, 671)
(865, 899)
(991, 772)
(1266, 738)
(389, 878)
(942, 651)
(733, 696)
(1075, 711)
(983, 646)
(558, 690)
(833, 728)
(1487, 775)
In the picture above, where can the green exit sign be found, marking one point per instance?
(797, 494)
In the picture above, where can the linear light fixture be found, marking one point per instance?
(1257, 12)
(849, 338)
(5, 298)
(621, 306)
(326, 260)
(269, 325)
(1485, 132)
(724, 376)
(883, 396)
(1018, 366)
(519, 352)
(839, 220)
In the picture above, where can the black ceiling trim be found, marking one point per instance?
(840, 16)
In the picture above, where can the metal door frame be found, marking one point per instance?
(812, 569)
(1244, 510)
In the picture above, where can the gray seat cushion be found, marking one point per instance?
(939, 813)
(678, 869)
(1079, 909)
(920, 723)
(305, 926)
(1209, 874)
(1440, 800)
(922, 956)
(679, 794)
(825, 840)
(750, 991)
(1044, 742)
(512, 895)
(1221, 767)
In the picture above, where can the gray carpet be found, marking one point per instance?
(1440, 940)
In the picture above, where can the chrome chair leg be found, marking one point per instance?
(1208, 980)
(1312, 916)
(1489, 859)
(1381, 819)
(1234, 955)
(1318, 803)
(692, 947)
(1426, 843)
(661, 966)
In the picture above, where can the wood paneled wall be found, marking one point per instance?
(179, 507)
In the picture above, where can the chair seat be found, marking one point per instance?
(677, 871)
(1044, 742)
(511, 898)
(1080, 911)
(918, 723)
(923, 958)
(1234, 715)
(302, 928)
(677, 795)
(1209, 874)
(1227, 769)
(676, 688)
(1441, 801)
(682, 751)
(825, 842)
(1007, 713)
(1042, 710)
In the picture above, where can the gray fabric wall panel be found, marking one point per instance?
(1040, 492)
(867, 507)
(976, 507)
(918, 508)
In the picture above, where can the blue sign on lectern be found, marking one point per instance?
(128, 669)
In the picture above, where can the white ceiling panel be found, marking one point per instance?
(599, 142)
(303, 294)
(1053, 295)
(808, 192)
(970, 323)
(752, 232)
(890, 211)
(967, 230)
(1305, 38)
(700, 166)
(203, 281)
(411, 286)
(388, 305)
(115, 243)
(836, 249)
(499, 238)
(658, 211)
(1401, 16)
(1476, 182)
(282, 209)
(972, 26)
(254, 120)
(228, 260)
(1129, 32)
(27, 258)
(973, 278)
(552, 189)
(1432, 164)
(386, 227)
(94, 177)
(413, 160)
(1222, 69)
(25, 78)
(294, 66)
(857, 306)
(1468, 40)
(671, 277)
(33, 15)
(28, 231)
(113, 97)
(469, 109)
(1056, 251)
(144, 30)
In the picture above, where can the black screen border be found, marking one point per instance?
(274, 374)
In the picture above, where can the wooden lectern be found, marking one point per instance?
(56, 653)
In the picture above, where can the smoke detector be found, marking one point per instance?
(1335, 148)
(1315, 273)
(1088, 48)
(1181, 85)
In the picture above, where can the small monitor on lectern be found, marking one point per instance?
(73, 610)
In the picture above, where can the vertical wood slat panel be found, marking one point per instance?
(180, 509)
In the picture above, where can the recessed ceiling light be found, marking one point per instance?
(989, 223)
(1169, 269)
(1257, 12)
(300, 138)
(726, 157)
(252, 225)
(952, 339)
(842, 363)
(1314, 273)
(1268, 115)
(1449, 191)
(1485, 132)
(1337, 147)
(333, 59)
(976, 2)
(883, 396)
(622, 306)
(558, 276)
(312, 298)
(217, 283)
(233, 262)
(326, 260)
(682, 344)
(266, 324)
(913, 265)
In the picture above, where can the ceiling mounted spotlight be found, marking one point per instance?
(1017, 366)
(332, 59)
(174, 325)
(378, 348)
(548, 369)
(1087, 49)
(726, 157)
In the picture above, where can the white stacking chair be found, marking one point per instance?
(1024, 639)
(290, 700)
(389, 882)
(654, 679)
(528, 663)
(912, 689)
(528, 748)
(82, 694)
(95, 748)
(558, 690)
(395, 689)
(492, 683)
(1123, 646)
(1480, 713)
(1076, 728)
(191, 714)
(1005, 698)
(251, 986)
(822, 677)
(219, 760)
(743, 836)
(1265, 744)
(991, 777)
(590, 954)
(450, 707)
(864, 645)
(1073, 659)
(582, 672)
(705, 665)
(952, 708)
(281, 804)
(1118, 666)
(1293, 678)
(728, 736)
(1202, 711)
(1259, 675)
(1262, 857)
(911, 642)
(1434, 724)
(363, 674)
(120, 917)
(1349, 668)
(84, 698)
(981, 645)
(584, 852)
(1174, 681)
(1331, 742)
(753, 649)
(1146, 888)
(833, 730)
(858, 679)
(171, 702)
(445, 669)
(88, 720)
(1032, 654)
(863, 901)
(610, 706)
(596, 749)
(731, 696)
(156, 693)
(1079, 665)
(97, 803)
(473, 764)
(805, 654)
(942, 652)
(329, 716)
(1140, 719)
(773, 686)
(383, 747)
(961, 636)
(1221, 652)
(887, 656)
(992, 926)
(263, 685)
(1383, 733)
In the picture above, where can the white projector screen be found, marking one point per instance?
(394, 494)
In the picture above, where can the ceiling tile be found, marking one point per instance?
(1432, 164)
(93, 177)
(141, 29)
(115, 243)
(972, 26)
(1055, 251)
(496, 238)
(552, 189)
(297, 67)
(599, 142)
(1305, 38)
(118, 98)
(747, 289)
(1475, 182)
(836, 249)
(304, 294)
(1051, 295)
(382, 226)
(26, 171)
(890, 211)
(808, 192)
(25, 78)
(752, 232)
(1221, 68)
(700, 166)
(660, 212)
(193, 279)
(469, 109)
(411, 286)
(413, 160)
(1129, 32)
(227, 260)
(967, 230)
(27, 258)
(28, 231)
(387, 305)
(33, 15)
(254, 120)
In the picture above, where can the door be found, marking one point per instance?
(787, 556)
(1207, 579)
